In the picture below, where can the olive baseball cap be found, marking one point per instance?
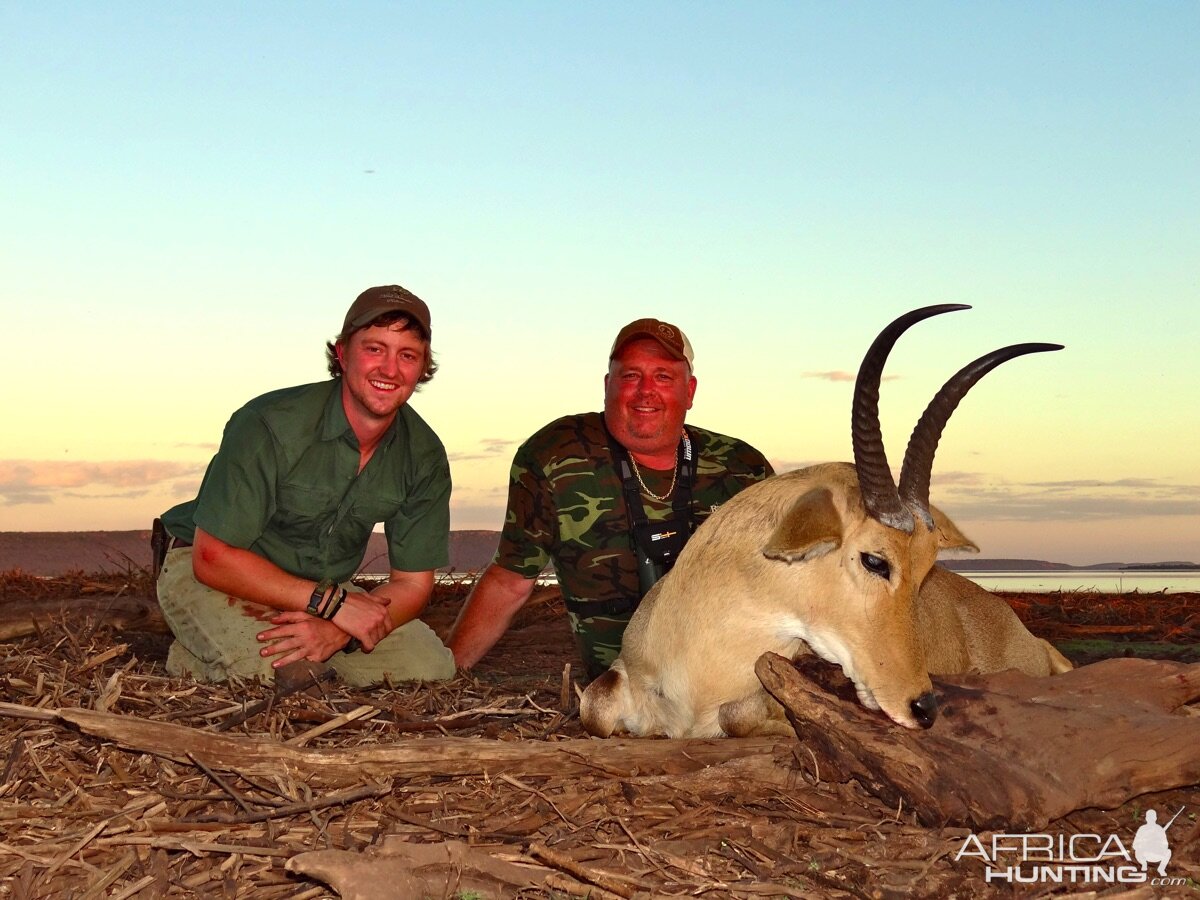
(673, 340)
(375, 302)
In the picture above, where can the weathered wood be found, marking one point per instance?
(432, 756)
(22, 618)
(1009, 750)
(400, 868)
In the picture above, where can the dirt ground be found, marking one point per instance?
(89, 812)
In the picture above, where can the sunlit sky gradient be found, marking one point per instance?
(193, 194)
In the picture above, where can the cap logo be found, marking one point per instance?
(666, 331)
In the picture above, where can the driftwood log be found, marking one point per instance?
(399, 868)
(432, 756)
(21, 618)
(1009, 750)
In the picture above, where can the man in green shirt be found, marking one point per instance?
(257, 571)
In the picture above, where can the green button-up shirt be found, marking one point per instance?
(285, 484)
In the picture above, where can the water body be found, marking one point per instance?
(1104, 581)
(1100, 581)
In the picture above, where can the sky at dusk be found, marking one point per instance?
(193, 194)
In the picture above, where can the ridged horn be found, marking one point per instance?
(918, 458)
(879, 493)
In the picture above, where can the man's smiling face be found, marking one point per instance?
(647, 394)
(381, 367)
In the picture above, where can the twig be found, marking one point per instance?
(564, 694)
(195, 847)
(283, 688)
(418, 822)
(517, 783)
(573, 887)
(14, 757)
(615, 883)
(98, 888)
(339, 798)
(220, 782)
(198, 712)
(362, 712)
(486, 711)
(101, 658)
(134, 888)
(732, 851)
(17, 711)
(83, 842)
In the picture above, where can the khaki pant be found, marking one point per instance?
(216, 637)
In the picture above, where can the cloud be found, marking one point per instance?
(1080, 500)
(980, 496)
(488, 494)
(489, 448)
(840, 375)
(786, 465)
(1094, 483)
(113, 495)
(477, 515)
(830, 376)
(955, 479)
(40, 481)
(17, 497)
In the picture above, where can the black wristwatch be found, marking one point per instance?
(318, 594)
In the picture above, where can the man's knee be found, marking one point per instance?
(218, 667)
(410, 653)
(215, 635)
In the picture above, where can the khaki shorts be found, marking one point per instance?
(216, 637)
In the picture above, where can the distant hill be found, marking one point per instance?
(1000, 565)
(470, 551)
(58, 552)
(1040, 565)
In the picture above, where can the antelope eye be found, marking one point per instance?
(876, 565)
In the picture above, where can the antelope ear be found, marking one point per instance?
(811, 528)
(948, 535)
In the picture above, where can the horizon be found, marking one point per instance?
(196, 195)
(950, 557)
(17, 552)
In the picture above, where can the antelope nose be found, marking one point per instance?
(924, 709)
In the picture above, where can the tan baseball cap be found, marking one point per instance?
(673, 340)
(375, 302)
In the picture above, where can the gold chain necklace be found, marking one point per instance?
(649, 493)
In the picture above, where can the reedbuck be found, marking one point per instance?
(833, 559)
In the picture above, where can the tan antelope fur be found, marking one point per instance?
(825, 560)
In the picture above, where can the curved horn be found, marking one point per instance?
(918, 458)
(874, 477)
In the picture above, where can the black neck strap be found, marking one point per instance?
(681, 499)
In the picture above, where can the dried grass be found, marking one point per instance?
(83, 818)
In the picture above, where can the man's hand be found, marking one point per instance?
(365, 616)
(298, 635)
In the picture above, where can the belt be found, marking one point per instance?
(174, 543)
(588, 608)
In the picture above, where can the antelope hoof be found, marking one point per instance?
(924, 709)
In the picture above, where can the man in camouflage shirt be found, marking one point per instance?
(568, 503)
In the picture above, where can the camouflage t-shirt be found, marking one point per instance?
(565, 503)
